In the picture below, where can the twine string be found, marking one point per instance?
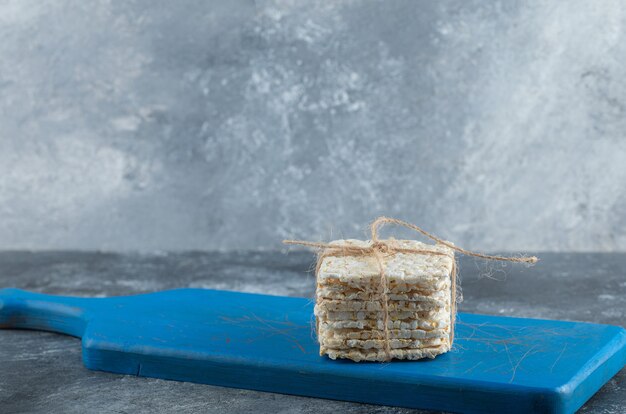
(381, 248)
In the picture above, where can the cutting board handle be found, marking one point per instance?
(21, 309)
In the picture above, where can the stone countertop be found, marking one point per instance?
(43, 372)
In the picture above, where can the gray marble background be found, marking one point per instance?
(159, 125)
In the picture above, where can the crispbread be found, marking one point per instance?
(351, 307)
(432, 316)
(375, 305)
(418, 296)
(378, 324)
(381, 355)
(380, 334)
(396, 286)
(338, 343)
(398, 267)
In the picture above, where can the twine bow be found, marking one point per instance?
(379, 249)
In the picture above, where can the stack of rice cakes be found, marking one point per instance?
(349, 308)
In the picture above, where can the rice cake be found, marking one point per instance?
(326, 305)
(350, 306)
(348, 333)
(358, 355)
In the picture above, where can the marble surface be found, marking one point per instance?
(234, 124)
(42, 372)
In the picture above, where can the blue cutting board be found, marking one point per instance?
(504, 365)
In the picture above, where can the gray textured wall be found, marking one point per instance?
(199, 125)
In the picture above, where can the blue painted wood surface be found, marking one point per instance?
(267, 343)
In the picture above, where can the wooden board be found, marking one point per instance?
(267, 343)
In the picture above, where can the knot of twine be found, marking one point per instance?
(379, 249)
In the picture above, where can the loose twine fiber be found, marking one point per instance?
(379, 249)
